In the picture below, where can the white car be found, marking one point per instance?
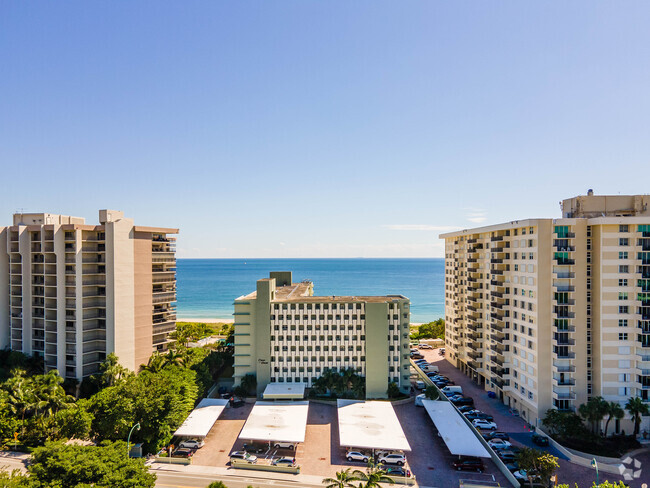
(244, 456)
(398, 459)
(425, 346)
(418, 400)
(499, 444)
(484, 424)
(192, 444)
(284, 445)
(356, 456)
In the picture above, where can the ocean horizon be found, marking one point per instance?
(206, 288)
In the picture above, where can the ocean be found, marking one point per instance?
(207, 287)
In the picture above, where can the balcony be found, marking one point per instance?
(564, 275)
(564, 395)
(164, 297)
(564, 382)
(565, 288)
(496, 238)
(564, 354)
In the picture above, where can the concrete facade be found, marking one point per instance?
(285, 334)
(72, 292)
(550, 312)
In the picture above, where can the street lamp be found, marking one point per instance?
(128, 441)
(595, 465)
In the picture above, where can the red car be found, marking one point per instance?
(468, 464)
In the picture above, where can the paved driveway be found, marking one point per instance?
(520, 433)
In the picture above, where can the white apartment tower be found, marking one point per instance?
(549, 312)
(72, 292)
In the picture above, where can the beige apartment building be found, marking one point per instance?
(285, 334)
(549, 312)
(73, 292)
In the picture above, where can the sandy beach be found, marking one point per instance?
(205, 320)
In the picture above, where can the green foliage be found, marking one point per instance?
(393, 390)
(537, 463)
(13, 479)
(564, 424)
(340, 384)
(372, 477)
(593, 411)
(431, 392)
(160, 401)
(75, 422)
(432, 330)
(614, 410)
(58, 465)
(604, 484)
(343, 479)
(637, 408)
(249, 384)
(10, 360)
(217, 484)
(194, 331)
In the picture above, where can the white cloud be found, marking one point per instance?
(477, 219)
(476, 215)
(435, 228)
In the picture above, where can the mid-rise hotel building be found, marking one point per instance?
(72, 292)
(549, 312)
(285, 334)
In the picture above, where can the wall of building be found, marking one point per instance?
(376, 350)
(5, 320)
(143, 302)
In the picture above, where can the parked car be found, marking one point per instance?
(425, 346)
(453, 389)
(468, 464)
(484, 424)
(540, 440)
(462, 401)
(418, 400)
(507, 456)
(512, 467)
(429, 368)
(421, 362)
(256, 447)
(398, 471)
(419, 384)
(192, 444)
(416, 355)
(441, 351)
(244, 456)
(356, 456)
(284, 445)
(465, 408)
(398, 459)
(284, 461)
(479, 415)
(183, 452)
(521, 475)
(499, 444)
(496, 435)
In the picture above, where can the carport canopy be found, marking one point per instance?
(202, 418)
(276, 421)
(458, 436)
(370, 425)
(284, 391)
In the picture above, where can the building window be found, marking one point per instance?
(623, 241)
(623, 269)
(622, 295)
(622, 322)
(622, 282)
(623, 309)
(623, 228)
(622, 336)
(622, 255)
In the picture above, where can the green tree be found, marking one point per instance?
(637, 408)
(343, 479)
(112, 372)
(593, 411)
(431, 392)
(432, 330)
(393, 390)
(249, 383)
(604, 484)
(564, 424)
(13, 479)
(58, 465)
(75, 421)
(537, 463)
(372, 477)
(217, 484)
(614, 410)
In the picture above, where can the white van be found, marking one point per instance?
(430, 368)
(453, 389)
(418, 400)
(420, 385)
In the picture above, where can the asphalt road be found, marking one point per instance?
(182, 480)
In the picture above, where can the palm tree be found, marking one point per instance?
(155, 364)
(614, 410)
(249, 383)
(112, 370)
(593, 411)
(372, 477)
(637, 408)
(343, 479)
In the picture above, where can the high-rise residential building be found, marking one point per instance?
(284, 334)
(72, 292)
(550, 312)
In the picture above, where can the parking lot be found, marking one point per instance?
(321, 455)
(520, 434)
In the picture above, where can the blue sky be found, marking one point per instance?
(320, 128)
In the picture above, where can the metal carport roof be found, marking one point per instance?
(202, 418)
(276, 421)
(370, 425)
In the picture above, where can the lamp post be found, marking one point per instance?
(595, 465)
(128, 441)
